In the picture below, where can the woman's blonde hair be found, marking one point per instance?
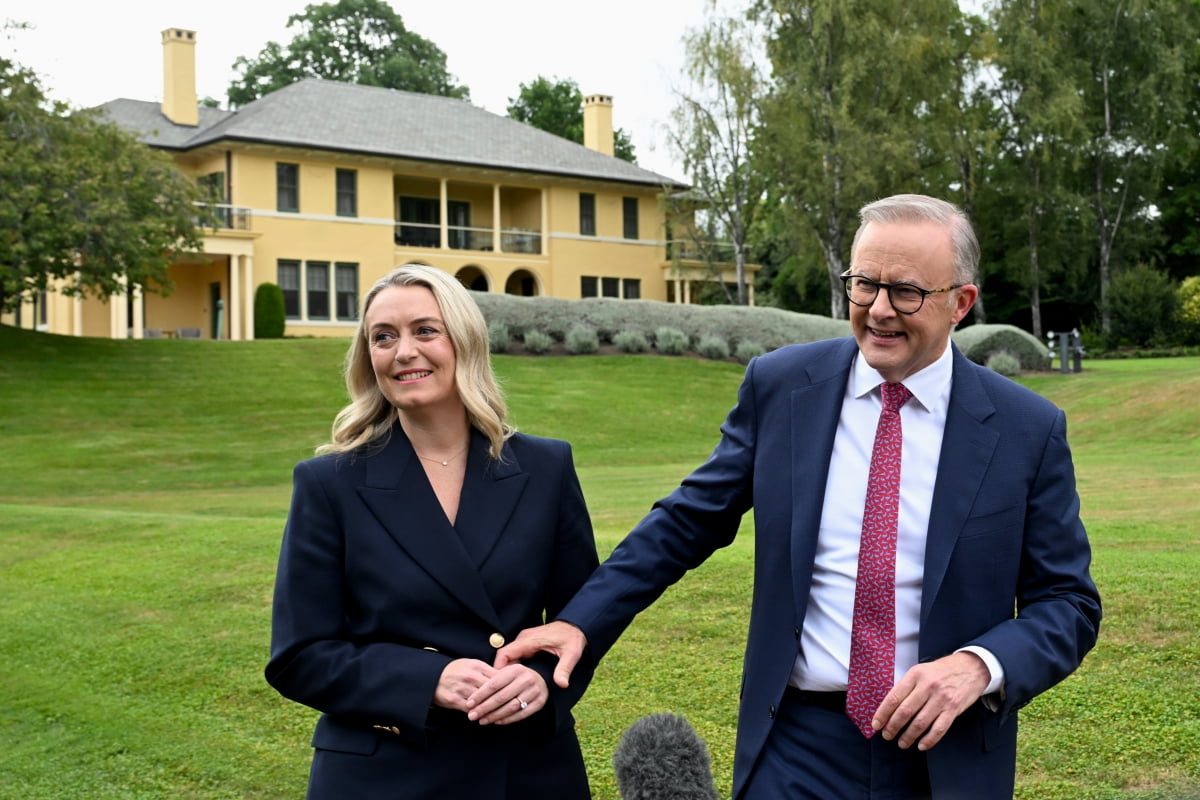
(369, 417)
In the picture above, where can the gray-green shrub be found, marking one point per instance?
(498, 336)
(1004, 363)
(582, 339)
(748, 350)
(712, 346)
(770, 327)
(670, 341)
(537, 342)
(979, 342)
(630, 341)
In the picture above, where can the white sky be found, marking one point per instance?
(87, 52)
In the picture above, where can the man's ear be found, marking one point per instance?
(964, 300)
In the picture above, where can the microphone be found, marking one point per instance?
(661, 757)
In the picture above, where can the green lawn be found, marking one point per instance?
(143, 489)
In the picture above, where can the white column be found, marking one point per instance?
(248, 305)
(444, 213)
(139, 311)
(235, 300)
(497, 239)
(750, 292)
(118, 310)
(544, 247)
(77, 316)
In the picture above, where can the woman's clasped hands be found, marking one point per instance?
(488, 695)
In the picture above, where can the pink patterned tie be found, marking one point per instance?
(873, 634)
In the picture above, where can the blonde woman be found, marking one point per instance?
(420, 540)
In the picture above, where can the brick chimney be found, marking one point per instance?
(598, 123)
(179, 102)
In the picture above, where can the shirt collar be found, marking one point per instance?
(929, 386)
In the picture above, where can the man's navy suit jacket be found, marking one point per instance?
(1006, 560)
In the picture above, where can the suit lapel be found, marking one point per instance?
(400, 497)
(815, 411)
(967, 448)
(489, 496)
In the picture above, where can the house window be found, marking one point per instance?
(346, 286)
(347, 193)
(587, 214)
(316, 276)
(587, 286)
(633, 289)
(287, 186)
(289, 281)
(629, 207)
(610, 287)
(420, 219)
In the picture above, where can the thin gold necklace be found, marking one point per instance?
(445, 463)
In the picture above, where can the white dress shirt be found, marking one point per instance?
(824, 659)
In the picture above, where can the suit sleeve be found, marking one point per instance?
(1057, 605)
(574, 561)
(314, 658)
(680, 532)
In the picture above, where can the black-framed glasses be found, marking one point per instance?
(904, 297)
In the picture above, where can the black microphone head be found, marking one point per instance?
(661, 757)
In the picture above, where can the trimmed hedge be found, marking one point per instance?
(270, 314)
(746, 331)
(769, 327)
(981, 342)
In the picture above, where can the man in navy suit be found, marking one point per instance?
(993, 602)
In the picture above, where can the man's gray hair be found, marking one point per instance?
(921, 208)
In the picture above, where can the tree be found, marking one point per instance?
(84, 207)
(713, 133)
(354, 41)
(1137, 92)
(848, 119)
(556, 106)
(1036, 89)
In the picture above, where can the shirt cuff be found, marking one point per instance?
(995, 671)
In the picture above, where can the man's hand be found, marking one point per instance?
(558, 638)
(929, 698)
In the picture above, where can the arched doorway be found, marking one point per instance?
(522, 283)
(473, 278)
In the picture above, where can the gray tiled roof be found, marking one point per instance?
(329, 115)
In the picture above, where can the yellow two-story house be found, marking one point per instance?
(322, 187)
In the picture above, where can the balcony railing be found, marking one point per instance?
(465, 237)
(688, 250)
(223, 216)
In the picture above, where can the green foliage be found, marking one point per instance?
(1004, 363)
(980, 342)
(83, 202)
(498, 336)
(556, 106)
(630, 341)
(537, 342)
(1141, 306)
(1187, 314)
(670, 341)
(711, 345)
(581, 339)
(353, 41)
(885, 70)
(161, 693)
(770, 327)
(270, 312)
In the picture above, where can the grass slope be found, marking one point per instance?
(143, 491)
